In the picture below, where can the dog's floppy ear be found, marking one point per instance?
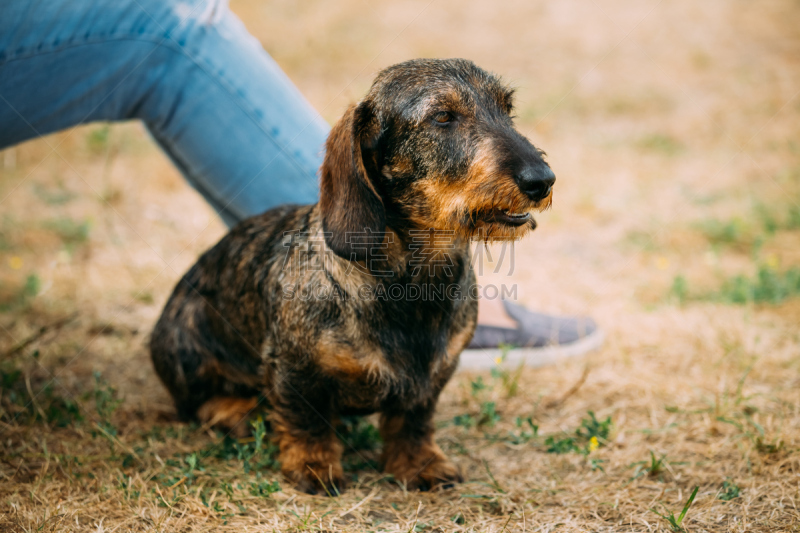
(353, 216)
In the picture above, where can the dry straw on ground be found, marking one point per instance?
(674, 129)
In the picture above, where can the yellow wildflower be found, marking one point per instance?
(593, 444)
(15, 262)
(772, 261)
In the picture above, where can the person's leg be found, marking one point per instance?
(220, 107)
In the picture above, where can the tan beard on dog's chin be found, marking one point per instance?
(500, 225)
(488, 232)
(500, 214)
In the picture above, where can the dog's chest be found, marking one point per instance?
(406, 366)
(378, 340)
(363, 373)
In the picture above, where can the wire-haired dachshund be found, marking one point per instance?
(362, 302)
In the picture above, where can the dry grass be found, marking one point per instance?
(674, 129)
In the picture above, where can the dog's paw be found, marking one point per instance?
(427, 469)
(326, 480)
(228, 413)
(440, 473)
(313, 467)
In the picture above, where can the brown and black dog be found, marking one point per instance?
(363, 302)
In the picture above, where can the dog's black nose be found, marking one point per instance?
(536, 181)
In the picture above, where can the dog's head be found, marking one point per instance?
(431, 146)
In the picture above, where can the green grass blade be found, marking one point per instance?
(688, 504)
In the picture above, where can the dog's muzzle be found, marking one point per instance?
(536, 182)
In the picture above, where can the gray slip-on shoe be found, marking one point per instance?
(538, 340)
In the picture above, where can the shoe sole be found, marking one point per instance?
(477, 359)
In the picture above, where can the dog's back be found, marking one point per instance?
(208, 340)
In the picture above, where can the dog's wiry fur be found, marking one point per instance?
(431, 148)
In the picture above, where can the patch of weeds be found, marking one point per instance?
(31, 287)
(675, 524)
(305, 521)
(509, 379)
(465, 421)
(749, 232)
(793, 218)
(767, 218)
(187, 469)
(642, 240)
(680, 289)
(653, 468)
(106, 401)
(145, 297)
(591, 435)
(477, 385)
(9, 377)
(359, 434)
(773, 220)
(659, 142)
(71, 232)
(46, 406)
(256, 452)
(97, 140)
(565, 445)
(126, 486)
(226, 449)
(591, 427)
(597, 464)
(261, 454)
(768, 448)
(731, 408)
(729, 491)
(486, 416)
(128, 460)
(726, 233)
(59, 411)
(58, 196)
(494, 484)
(221, 512)
(523, 436)
(22, 296)
(265, 489)
(5, 242)
(192, 464)
(768, 286)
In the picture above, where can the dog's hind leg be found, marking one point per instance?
(198, 372)
(228, 412)
(206, 390)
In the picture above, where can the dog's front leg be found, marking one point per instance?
(410, 453)
(303, 422)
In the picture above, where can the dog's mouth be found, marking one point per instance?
(509, 218)
(502, 223)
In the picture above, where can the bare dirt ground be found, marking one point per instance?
(674, 130)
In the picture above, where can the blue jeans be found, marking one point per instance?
(209, 94)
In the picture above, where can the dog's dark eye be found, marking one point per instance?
(443, 117)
